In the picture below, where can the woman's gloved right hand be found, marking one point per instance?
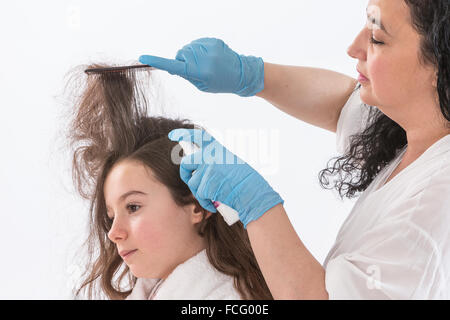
(211, 66)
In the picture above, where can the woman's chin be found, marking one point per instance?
(366, 95)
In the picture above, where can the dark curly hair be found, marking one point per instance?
(371, 150)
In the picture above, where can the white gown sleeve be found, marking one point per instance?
(352, 120)
(397, 259)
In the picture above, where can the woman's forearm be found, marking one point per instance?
(290, 270)
(313, 95)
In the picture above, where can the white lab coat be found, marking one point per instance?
(395, 243)
(195, 279)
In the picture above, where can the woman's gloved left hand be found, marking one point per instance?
(222, 176)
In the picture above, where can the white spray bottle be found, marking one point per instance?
(230, 215)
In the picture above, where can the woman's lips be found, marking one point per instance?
(362, 78)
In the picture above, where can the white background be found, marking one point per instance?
(43, 220)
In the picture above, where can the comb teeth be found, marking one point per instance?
(116, 69)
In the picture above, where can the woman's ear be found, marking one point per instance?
(434, 83)
(434, 80)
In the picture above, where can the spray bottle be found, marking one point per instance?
(230, 215)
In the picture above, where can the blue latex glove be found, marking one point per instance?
(222, 176)
(211, 66)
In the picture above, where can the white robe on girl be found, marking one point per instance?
(195, 279)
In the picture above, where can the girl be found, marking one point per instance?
(144, 218)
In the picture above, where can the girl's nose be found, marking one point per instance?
(116, 232)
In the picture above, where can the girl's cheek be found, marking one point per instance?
(148, 233)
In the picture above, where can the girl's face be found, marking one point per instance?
(398, 84)
(147, 219)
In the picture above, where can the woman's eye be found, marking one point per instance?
(132, 207)
(375, 41)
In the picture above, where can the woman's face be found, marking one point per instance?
(147, 219)
(398, 84)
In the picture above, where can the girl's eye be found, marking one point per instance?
(375, 41)
(133, 206)
(107, 215)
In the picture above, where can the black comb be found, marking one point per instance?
(116, 69)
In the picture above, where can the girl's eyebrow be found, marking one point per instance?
(129, 193)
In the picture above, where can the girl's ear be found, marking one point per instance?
(196, 212)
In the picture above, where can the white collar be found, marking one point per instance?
(194, 279)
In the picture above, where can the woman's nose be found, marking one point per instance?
(358, 49)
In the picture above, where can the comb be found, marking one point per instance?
(118, 69)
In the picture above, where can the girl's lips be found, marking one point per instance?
(127, 254)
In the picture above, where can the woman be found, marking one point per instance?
(393, 130)
(144, 219)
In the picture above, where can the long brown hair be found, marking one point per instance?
(110, 124)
